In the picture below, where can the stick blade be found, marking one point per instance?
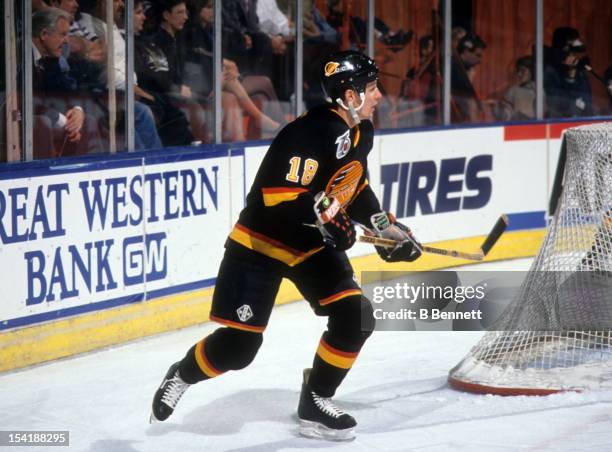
(495, 234)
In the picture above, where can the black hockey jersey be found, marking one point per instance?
(316, 152)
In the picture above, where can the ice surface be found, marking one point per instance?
(397, 391)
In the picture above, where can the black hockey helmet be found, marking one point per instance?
(344, 70)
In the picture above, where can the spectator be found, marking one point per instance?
(93, 28)
(418, 78)
(417, 104)
(172, 16)
(456, 35)
(316, 28)
(82, 43)
(247, 44)
(58, 114)
(465, 104)
(566, 84)
(273, 21)
(519, 100)
(146, 136)
(153, 72)
(320, 40)
(395, 40)
(38, 5)
(254, 51)
(84, 58)
(200, 70)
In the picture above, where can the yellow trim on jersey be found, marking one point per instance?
(276, 195)
(361, 188)
(203, 363)
(338, 113)
(357, 136)
(270, 247)
(335, 357)
(238, 326)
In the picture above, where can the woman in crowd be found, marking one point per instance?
(198, 74)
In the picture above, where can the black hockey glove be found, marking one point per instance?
(334, 224)
(386, 226)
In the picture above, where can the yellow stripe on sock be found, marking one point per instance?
(205, 366)
(335, 357)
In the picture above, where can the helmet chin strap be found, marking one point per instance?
(352, 109)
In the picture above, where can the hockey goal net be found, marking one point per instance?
(556, 335)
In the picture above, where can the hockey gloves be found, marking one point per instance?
(334, 224)
(386, 226)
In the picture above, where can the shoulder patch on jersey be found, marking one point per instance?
(344, 144)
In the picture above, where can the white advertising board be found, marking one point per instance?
(89, 236)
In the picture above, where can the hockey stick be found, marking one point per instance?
(490, 240)
(388, 243)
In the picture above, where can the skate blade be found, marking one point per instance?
(153, 419)
(311, 429)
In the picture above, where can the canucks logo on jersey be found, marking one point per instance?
(344, 183)
(344, 144)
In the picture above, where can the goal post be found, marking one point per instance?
(556, 334)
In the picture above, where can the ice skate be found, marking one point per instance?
(320, 418)
(167, 396)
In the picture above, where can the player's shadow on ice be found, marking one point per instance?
(392, 406)
(228, 415)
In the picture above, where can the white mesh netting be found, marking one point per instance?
(556, 335)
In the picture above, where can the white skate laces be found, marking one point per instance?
(175, 389)
(326, 405)
(321, 418)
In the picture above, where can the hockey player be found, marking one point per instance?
(314, 174)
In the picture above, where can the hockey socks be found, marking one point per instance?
(196, 366)
(341, 343)
(225, 349)
(330, 366)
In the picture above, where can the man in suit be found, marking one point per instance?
(62, 126)
(49, 34)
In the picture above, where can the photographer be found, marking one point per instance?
(568, 91)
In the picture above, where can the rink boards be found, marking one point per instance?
(101, 250)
